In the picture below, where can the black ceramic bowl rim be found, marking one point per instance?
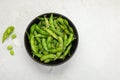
(57, 62)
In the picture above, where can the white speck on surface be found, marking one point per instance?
(17, 42)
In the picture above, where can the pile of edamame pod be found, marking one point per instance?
(51, 38)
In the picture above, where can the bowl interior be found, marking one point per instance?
(57, 62)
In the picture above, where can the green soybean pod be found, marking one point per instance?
(54, 41)
(47, 60)
(32, 28)
(40, 47)
(49, 39)
(64, 29)
(35, 43)
(51, 33)
(35, 40)
(28, 35)
(38, 39)
(60, 20)
(44, 43)
(41, 18)
(58, 54)
(57, 32)
(70, 28)
(66, 52)
(56, 25)
(55, 50)
(45, 52)
(57, 45)
(43, 23)
(40, 24)
(48, 56)
(57, 29)
(65, 21)
(60, 40)
(51, 22)
(40, 30)
(67, 24)
(60, 48)
(7, 33)
(53, 25)
(46, 21)
(39, 55)
(32, 43)
(35, 33)
(70, 39)
(65, 39)
(40, 36)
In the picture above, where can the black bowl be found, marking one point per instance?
(57, 62)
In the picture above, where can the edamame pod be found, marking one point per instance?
(40, 31)
(48, 56)
(60, 48)
(7, 33)
(45, 52)
(64, 29)
(46, 21)
(66, 52)
(56, 50)
(51, 33)
(47, 60)
(32, 43)
(70, 39)
(32, 28)
(67, 24)
(65, 39)
(39, 55)
(58, 54)
(51, 22)
(49, 39)
(44, 43)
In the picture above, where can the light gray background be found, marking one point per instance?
(98, 53)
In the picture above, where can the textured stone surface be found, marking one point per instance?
(98, 53)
